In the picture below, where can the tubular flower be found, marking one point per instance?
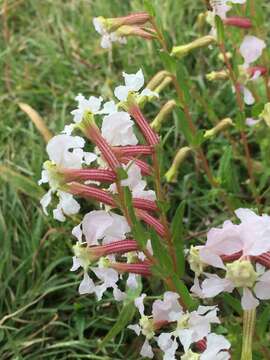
(64, 152)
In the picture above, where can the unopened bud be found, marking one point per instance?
(183, 50)
(162, 115)
(201, 19)
(217, 75)
(222, 58)
(127, 30)
(166, 81)
(181, 155)
(238, 21)
(265, 115)
(223, 125)
(241, 273)
(157, 79)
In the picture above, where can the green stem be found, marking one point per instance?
(249, 320)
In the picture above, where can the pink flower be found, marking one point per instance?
(251, 49)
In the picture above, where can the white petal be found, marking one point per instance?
(109, 108)
(136, 328)
(139, 303)
(44, 177)
(248, 97)
(76, 263)
(89, 157)
(45, 201)
(262, 287)
(134, 81)
(167, 309)
(248, 300)
(251, 122)
(251, 48)
(132, 282)
(94, 225)
(211, 258)
(87, 285)
(68, 204)
(58, 213)
(118, 294)
(77, 232)
(214, 285)
(149, 93)
(146, 350)
(121, 92)
(185, 337)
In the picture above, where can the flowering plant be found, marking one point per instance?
(112, 155)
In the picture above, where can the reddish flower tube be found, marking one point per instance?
(104, 197)
(139, 268)
(116, 247)
(134, 18)
(133, 150)
(150, 220)
(93, 134)
(253, 69)
(149, 134)
(88, 174)
(238, 21)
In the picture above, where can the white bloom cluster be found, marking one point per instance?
(242, 244)
(187, 329)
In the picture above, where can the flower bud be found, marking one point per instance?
(241, 273)
(252, 70)
(217, 75)
(265, 115)
(183, 50)
(237, 21)
(222, 125)
(221, 56)
(127, 30)
(162, 115)
(157, 80)
(181, 155)
(166, 81)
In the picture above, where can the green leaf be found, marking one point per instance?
(161, 254)
(21, 182)
(184, 127)
(177, 230)
(123, 319)
(233, 303)
(227, 172)
(220, 29)
(182, 78)
(149, 7)
(168, 61)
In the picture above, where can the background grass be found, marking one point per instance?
(49, 53)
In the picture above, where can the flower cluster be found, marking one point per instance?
(242, 252)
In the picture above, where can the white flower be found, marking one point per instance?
(245, 278)
(117, 129)
(251, 237)
(167, 309)
(216, 349)
(251, 49)
(107, 38)
(67, 152)
(100, 225)
(248, 97)
(135, 183)
(251, 122)
(92, 105)
(133, 83)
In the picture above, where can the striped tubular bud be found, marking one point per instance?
(217, 75)
(145, 168)
(263, 259)
(92, 132)
(93, 193)
(150, 136)
(133, 150)
(157, 80)
(183, 50)
(181, 155)
(151, 221)
(163, 114)
(221, 126)
(115, 247)
(201, 345)
(88, 174)
(112, 24)
(238, 21)
(142, 268)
